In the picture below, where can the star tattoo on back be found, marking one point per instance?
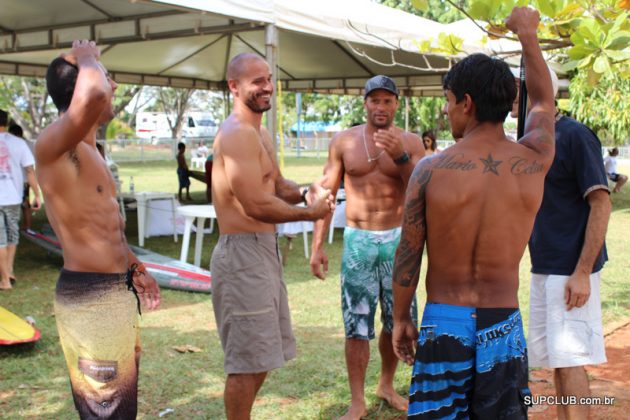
(490, 165)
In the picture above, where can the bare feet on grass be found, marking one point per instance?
(393, 399)
(355, 412)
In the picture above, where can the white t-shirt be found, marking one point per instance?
(202, 151)
(14, 156)
(611, 164)
(31, 148)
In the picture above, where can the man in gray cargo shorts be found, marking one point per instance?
(250, 303)
(250, 195)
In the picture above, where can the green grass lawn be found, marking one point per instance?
(33, 378)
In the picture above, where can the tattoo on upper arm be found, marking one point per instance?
(490, 165)
(409, 253)
(541, 136)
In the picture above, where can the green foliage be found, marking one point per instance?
(590, 38)
(436, 10)
(605, 107)
(117, 129)
(422, 5)
(27, 102)
(592, 35)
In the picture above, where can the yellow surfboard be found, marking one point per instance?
(15, 330)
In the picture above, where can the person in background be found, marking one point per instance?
(430, 144)
(611, 169)
(16, 161)
(27, 211)
(182, 172)
(202, 150)
(568, 252)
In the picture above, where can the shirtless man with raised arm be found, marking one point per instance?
(376, 160)
(95, 306)
(474, 205)
(250, 195)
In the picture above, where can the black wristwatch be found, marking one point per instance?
(404, 158)
(304, 192)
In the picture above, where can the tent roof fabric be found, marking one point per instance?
(327, 46)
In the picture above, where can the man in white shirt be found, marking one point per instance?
(14, 156)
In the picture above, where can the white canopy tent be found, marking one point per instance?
(327, 46)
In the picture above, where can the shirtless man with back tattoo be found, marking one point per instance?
(474, 205)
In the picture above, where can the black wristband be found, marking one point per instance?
(404, 158)
(303, 195)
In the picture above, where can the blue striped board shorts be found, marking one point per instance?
(470, 363)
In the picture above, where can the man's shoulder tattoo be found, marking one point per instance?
(456, 162)
(522, 166)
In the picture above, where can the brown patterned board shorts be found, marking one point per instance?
(250, 303)
(97, 320)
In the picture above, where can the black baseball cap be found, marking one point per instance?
(380, 82)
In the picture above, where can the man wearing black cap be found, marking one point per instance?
(375, 160)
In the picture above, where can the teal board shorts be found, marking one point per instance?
(366, 279)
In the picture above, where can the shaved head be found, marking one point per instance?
(238, 64)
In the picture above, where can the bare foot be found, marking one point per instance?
(393, 399)
(5, 286)
(355, 412)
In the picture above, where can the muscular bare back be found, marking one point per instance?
(481, 200)
(81, 205)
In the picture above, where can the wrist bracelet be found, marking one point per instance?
(404, 158)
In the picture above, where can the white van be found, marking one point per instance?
(199, 124)
(154, 125)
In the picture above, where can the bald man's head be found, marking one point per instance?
(239, 63)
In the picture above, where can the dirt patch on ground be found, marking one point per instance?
(608, 380)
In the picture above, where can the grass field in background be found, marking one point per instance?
(33, 378)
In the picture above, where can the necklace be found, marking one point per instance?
(370, 158)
